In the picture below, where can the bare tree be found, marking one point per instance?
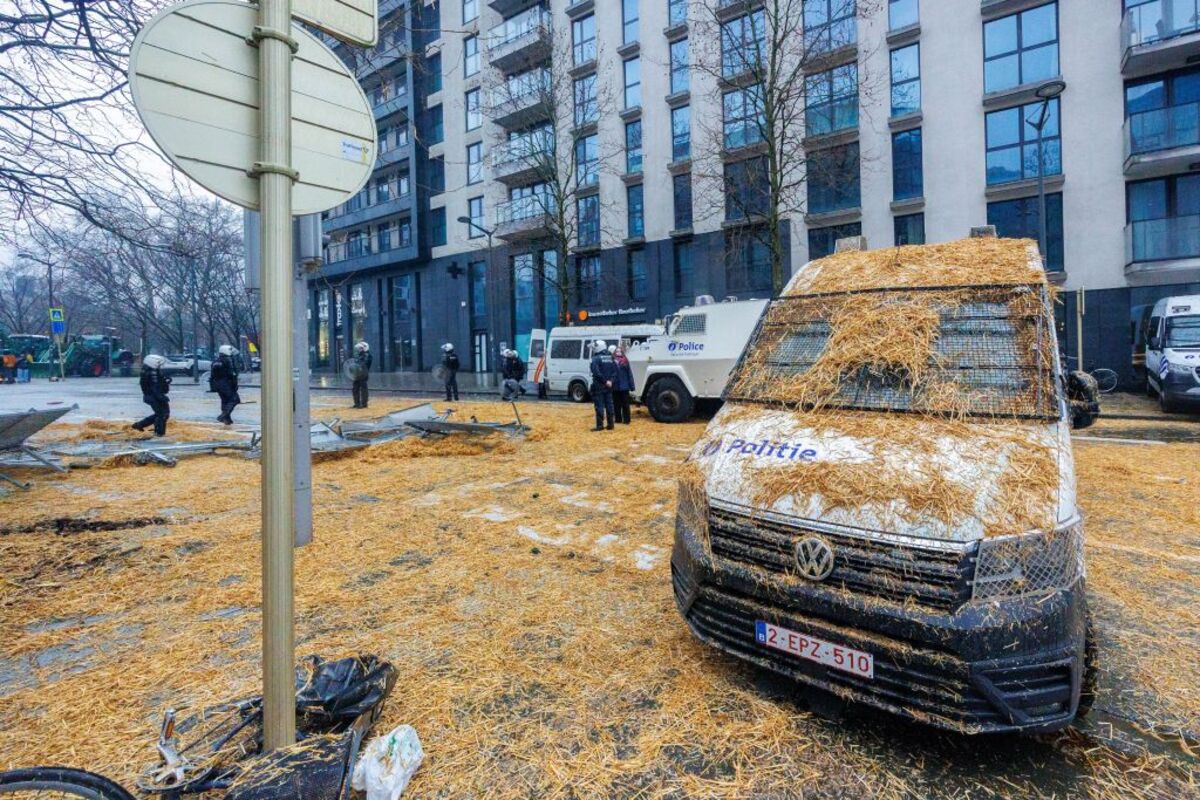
(23, 299)
(775, 75)
(68, 135)
(551, 147)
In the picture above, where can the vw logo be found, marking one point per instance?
(814, 558)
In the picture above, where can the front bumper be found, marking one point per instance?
(1008, 666)
(1182, 388)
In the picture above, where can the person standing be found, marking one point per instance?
(155, 387)
(362, 372)
(224, 381)
(604, 377)
(450, 364)
(623, 387)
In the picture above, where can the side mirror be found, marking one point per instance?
(1152, 343)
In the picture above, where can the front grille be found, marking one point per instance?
(935, 685)
(898, 573)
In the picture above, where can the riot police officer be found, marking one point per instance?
(604, 378)
(450, 363)
(155, 385)
(362, 371)
(224, 381)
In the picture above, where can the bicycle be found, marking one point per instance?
(1106, 379)
(45, 783)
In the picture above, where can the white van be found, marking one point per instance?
(885, 507)
(562, 360)
(1173, 352)
(692, 360)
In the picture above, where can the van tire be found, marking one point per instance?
(669, 400)
(578, 392)
(1164, 405)
(1091, 672)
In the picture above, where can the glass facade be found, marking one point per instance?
(1020, 48)
(551, 289)
(1012, 142)
(405, 323)
(588, 280)
(1164, 218)
(524, 300)
(1163, 112)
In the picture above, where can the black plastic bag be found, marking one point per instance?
(331, 695)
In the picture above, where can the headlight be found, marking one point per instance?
(1179, 369)
(1012, 566)
(692, 507)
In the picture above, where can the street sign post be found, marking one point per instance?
(213, 83)
(194, 72)
(352, 21)
(58, 322)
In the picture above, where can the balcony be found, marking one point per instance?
(371, 61)
(522, 101)
(337, 264)
(393, 156)
(528, 217)
(1162, 141)
(1158, 245)
(391, 106)
(1160, 35)
(522, 160)
(520, 42)
(506, 8)
(352, 219)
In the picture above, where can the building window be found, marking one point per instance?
(629, 18)
(402, 185)
(633, 147)
(906, 80)
(383, 235)
(384, 138)
(477, 270)
(679, 66)
(583, 37)
(633, 83)
(470, 56)
(524, 294)
(901, 14)
(681, 266)
(821, 241)
(470, 10)
(743, 117)
(681, 133)
(383, 190)
(1012, 143)
(588, 280)
(437, 175)
(829, 25)
(909, 229)
(1020, 48)
(833, 180)
(405, 233)
(474, 113)
(434, 66)
(1163, 112)
(681, 193)
(742, 44)
(746, 188)
(1164, 219)
(437, 226)
(831, 100)
(635, 274)
(676, 11)
(437, 130)
(1018, 219)
(907, 175)
(636, 211)
(586, 108)
(474, 163)
(587, 160)
(747, 261)
(402, 136)
(587, 210)
(475, 214)
(551, 289)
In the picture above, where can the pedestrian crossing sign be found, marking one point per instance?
(58, 322)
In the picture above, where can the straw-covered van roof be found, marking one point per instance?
(966, 262)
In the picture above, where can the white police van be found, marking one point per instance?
(1173, 352)
(692, 359)
(561, 360)
(909, 543)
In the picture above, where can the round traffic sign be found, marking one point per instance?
(194, 75)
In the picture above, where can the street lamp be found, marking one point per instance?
(1046, 92)
(488, 232)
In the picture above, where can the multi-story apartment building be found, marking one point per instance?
(921, 120)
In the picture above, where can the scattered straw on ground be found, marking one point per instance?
(525, 599)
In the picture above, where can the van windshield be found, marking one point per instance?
(964, 351)
(1183, 331)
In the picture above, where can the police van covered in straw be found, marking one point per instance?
(885, 508)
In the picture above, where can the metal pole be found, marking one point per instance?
(1079, 312)
(275, 200)
(1042, 235)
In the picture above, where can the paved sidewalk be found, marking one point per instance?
(420, 383)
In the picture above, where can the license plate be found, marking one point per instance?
(847, 659)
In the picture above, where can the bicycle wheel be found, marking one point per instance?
(1106, 380)
(58, 783)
